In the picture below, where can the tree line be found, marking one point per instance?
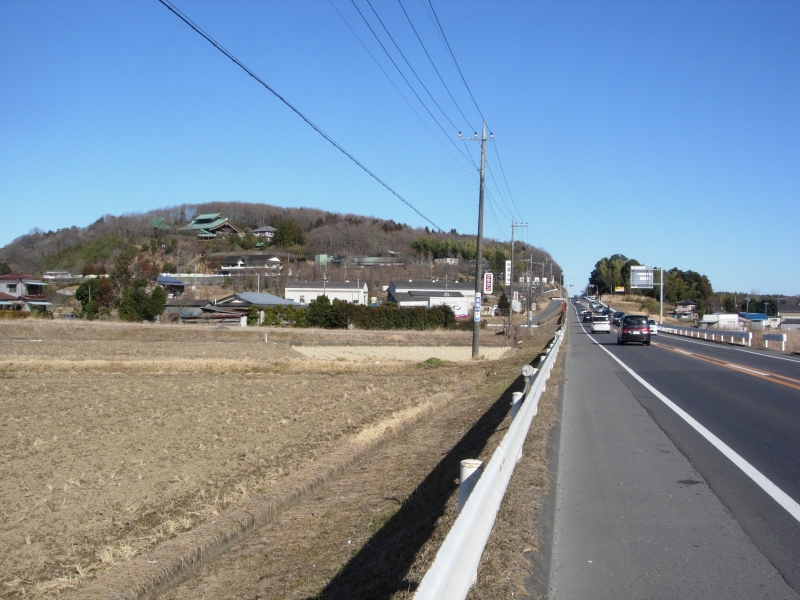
(615, 271)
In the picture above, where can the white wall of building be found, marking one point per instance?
(306, 295)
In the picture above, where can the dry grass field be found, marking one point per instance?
(115, 438)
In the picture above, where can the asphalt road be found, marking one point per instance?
(661, 509)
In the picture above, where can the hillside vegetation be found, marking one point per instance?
(303, 232)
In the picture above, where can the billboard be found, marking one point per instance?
(488, 283)
(642, 278)
(619, 288)
(508, 272)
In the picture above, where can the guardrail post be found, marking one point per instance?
(471, 471)
(516, 402)
(266, 338)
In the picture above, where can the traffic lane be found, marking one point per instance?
(773, 530)
(634, 518)
(759, 419)
(759, 359)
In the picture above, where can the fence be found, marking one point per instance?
(708, 334)
(455, 568)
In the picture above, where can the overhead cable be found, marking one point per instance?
(411, 106)
(396, 45)
(432, 63)
(506, 180)
(333, 142)
(453, 56)
(411, 87)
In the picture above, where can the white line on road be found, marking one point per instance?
(712, 344)
(777, 494)
(741, 368)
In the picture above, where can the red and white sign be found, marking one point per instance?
(516, 296)
(488, 283)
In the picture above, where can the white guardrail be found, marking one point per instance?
(455, 569)
(708, 334)
(775, 337)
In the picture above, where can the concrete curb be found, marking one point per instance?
(144, 577)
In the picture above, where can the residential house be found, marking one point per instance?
(173, 286)
(303, 292)
(211, 225)
(727, 321)
(458, 296)
(241, 263)
(19, 291)
(242, 301)
(265, 232)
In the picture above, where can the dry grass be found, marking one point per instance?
(116, 437)
(374, 531)
(792, 341)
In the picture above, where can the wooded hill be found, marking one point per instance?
(303, 232)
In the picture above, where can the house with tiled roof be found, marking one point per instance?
(20, 291)
(210, 225)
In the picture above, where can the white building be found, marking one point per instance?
(303, 292)
(729, 321)
(458, 296)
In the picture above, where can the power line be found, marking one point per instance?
(333, 142)
(454, 58)
(425, 106)
(506, 180)
(377, 16)
(432, 63)
(346, 22)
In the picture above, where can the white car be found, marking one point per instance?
(600, 324)
(653, 326)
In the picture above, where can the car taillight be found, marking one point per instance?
(625, 330)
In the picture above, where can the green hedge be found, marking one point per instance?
(341, 315)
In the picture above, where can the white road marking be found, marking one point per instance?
(776, 493)
(741, 368)
(709, 343)
(684, 352)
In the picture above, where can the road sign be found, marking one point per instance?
(642, 278)
(508, 272)
(488, 283)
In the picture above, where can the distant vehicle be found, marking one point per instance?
(600, 324)
(587, 316)
(617, 318)
(70, 317)
(591, 298)
(634, 328)
(653, 326)
(608, 311)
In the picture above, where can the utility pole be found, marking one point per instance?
(511, 279)
(476, 321)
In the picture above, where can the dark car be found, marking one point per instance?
(587, 316)
(634, 328)
(617, 318)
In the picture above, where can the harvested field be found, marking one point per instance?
(405, 354)
(115, 437)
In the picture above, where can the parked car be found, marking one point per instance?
(69, 317)
(653, 326)
(600, 324)
(634, 328)
(587, 316)
(617, 318)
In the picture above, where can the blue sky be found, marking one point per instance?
(665, 131)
